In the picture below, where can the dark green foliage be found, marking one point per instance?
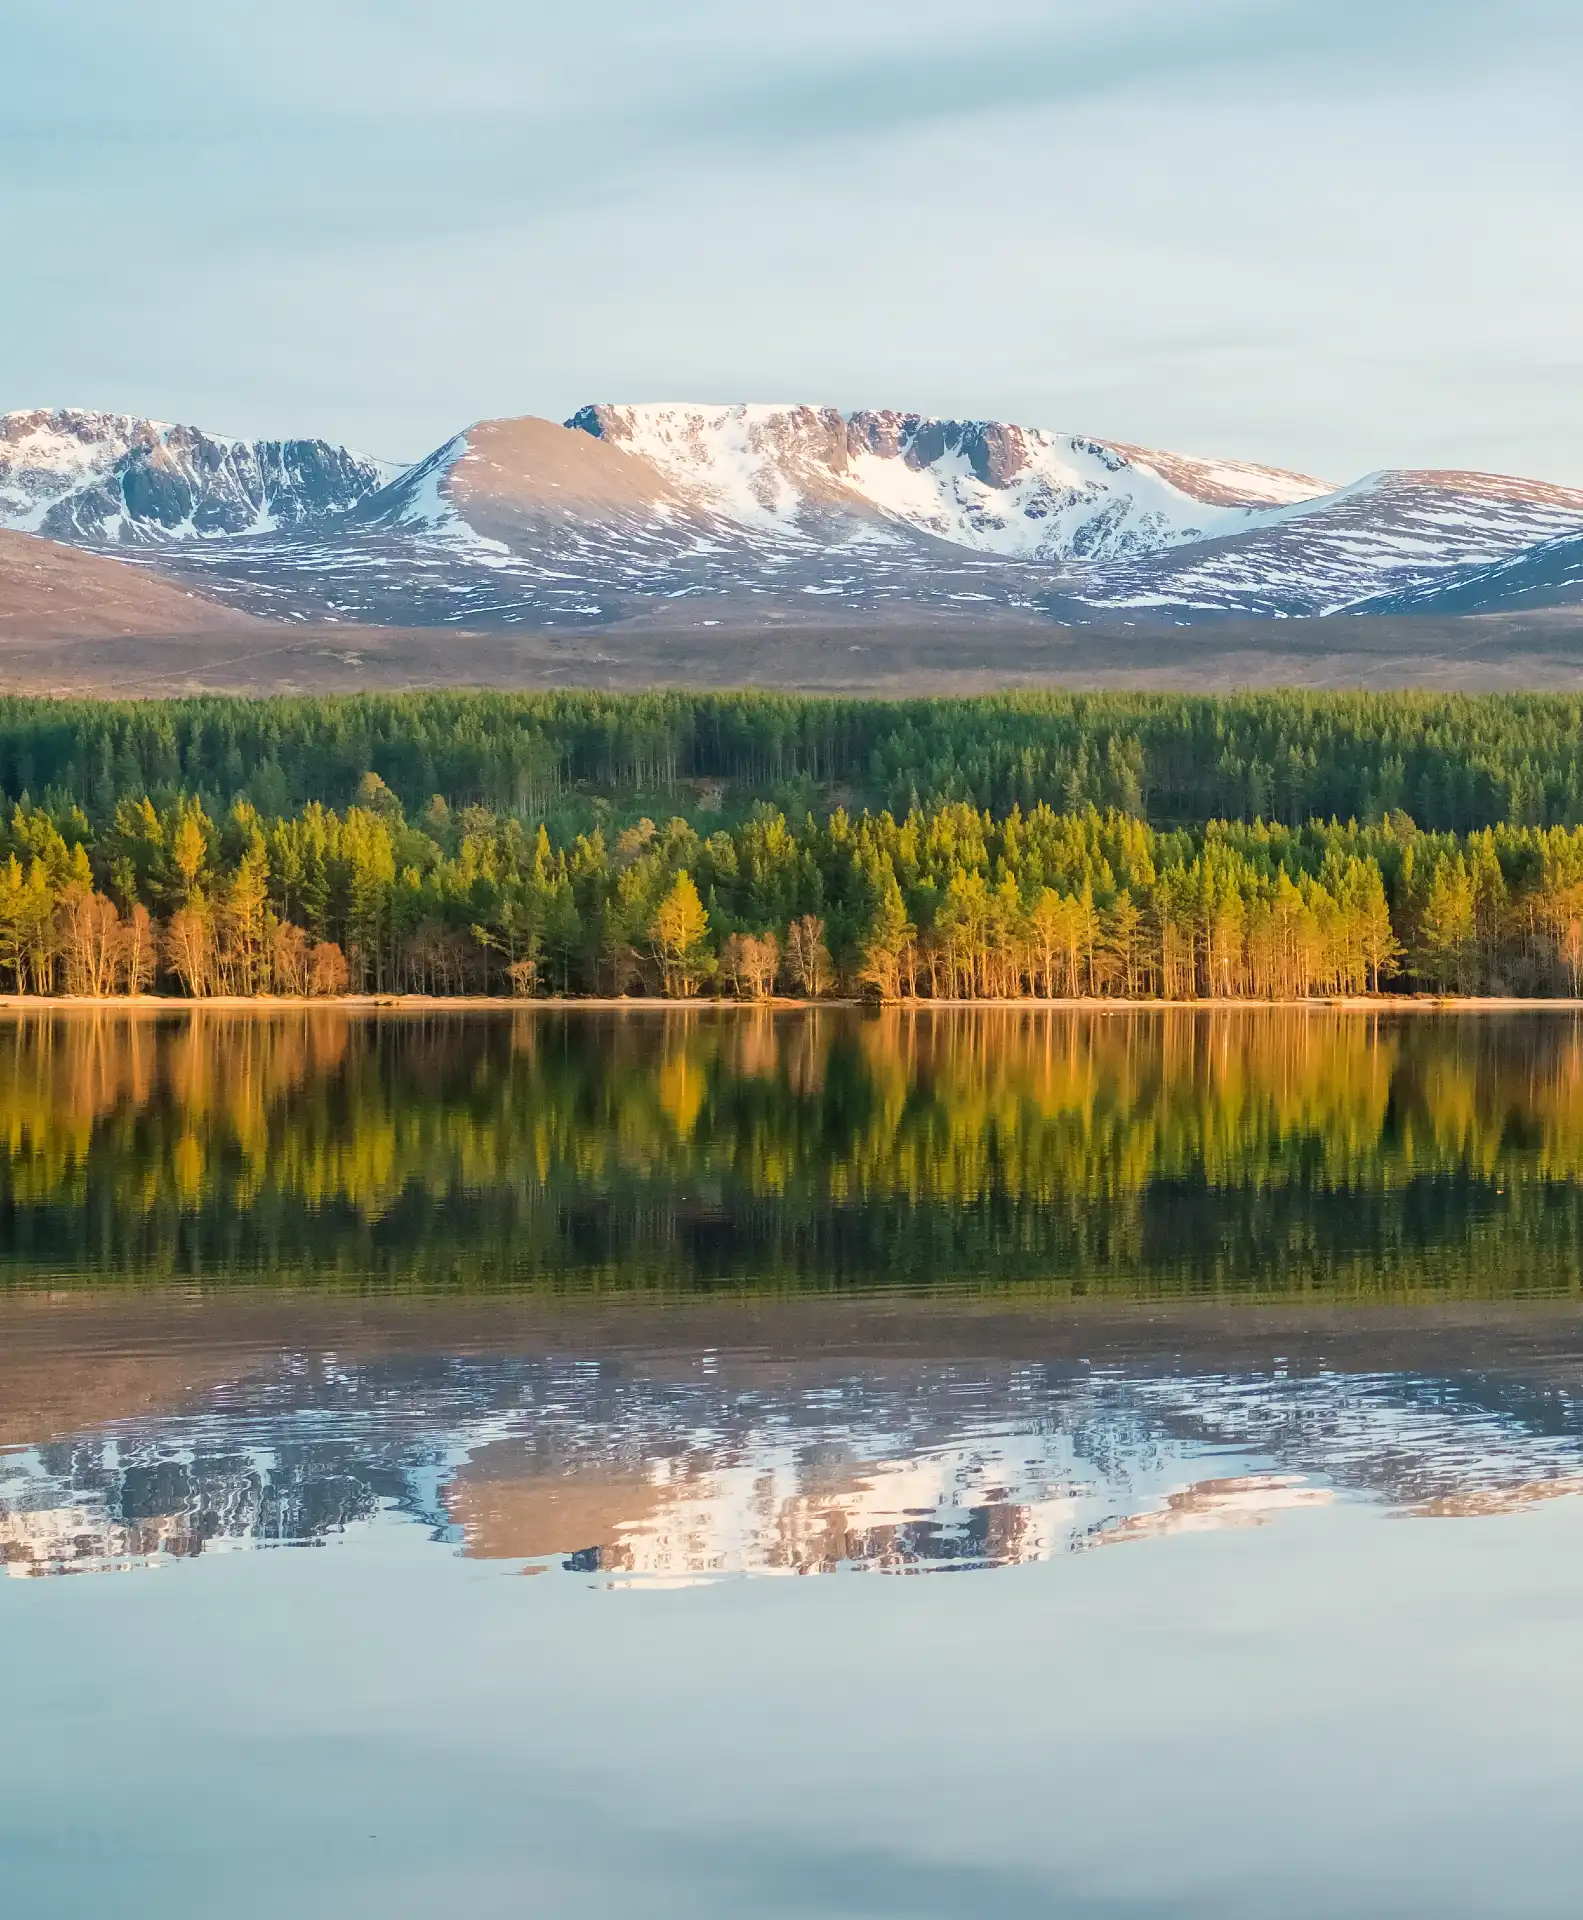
(1453, 762)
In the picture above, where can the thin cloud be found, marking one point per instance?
(1293, 45)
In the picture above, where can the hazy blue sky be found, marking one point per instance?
(1336, 234)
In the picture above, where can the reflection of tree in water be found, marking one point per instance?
(1101, 1151)
(610, 1468)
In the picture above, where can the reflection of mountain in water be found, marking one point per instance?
(708, 1468)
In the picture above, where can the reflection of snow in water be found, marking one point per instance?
(1208, 1506)
(601, 1468)
(1414, 1441)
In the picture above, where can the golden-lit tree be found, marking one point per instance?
(678, 930)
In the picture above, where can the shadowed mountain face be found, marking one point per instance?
(107, 479)
(646, 511)
(1549, 575)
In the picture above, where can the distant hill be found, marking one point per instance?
(49, 591)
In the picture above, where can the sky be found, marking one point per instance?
(1336, 235)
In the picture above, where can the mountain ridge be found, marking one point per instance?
(625, 509)
(106, 479)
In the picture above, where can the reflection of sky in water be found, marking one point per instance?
(629, 1474)
(1273, 1699)
(1216, 1679)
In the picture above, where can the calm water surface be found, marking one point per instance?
(511, 1464)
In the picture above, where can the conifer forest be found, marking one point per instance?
(1046, 846)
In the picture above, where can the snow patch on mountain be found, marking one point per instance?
(1019, 493)
(758, 467)
(1547, 575)
(1386, 534)
(111, 479)
(419, 501)
(417, 498)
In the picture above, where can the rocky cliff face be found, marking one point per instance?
(984, 485)
(109, 479)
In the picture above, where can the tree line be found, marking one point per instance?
(942, 902)
(1453, 762)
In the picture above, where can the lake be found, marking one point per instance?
(514, 1461)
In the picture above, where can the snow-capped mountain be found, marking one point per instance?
(1389, 537)
(623, 509)
(107, 479)
(992, 488)
(1549, 575)
(628, 510)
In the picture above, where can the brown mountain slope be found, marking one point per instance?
(534, 467)
(50, 591)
